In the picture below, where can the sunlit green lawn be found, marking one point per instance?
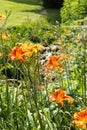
(22, 10)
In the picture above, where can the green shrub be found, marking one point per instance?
(73, 10)
(36, 32)
(53, 3)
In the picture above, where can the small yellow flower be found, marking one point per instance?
(60, 70)
(67, 31)
(41, 87)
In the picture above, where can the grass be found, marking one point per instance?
(22, 10)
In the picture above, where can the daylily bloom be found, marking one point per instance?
(31, 47)
(24, 46)
(80, 119)
(59, 96)
(17, 53)
(35, 47)
(22, 50)
(55, 61)
(39, 47)
(2, 17)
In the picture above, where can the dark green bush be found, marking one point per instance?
(53, 3)
(73, 10)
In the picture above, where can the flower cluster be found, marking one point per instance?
(24, 49)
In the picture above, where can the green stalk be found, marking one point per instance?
(34, 95)
(84, 74)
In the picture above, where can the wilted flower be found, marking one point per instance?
(59, 96)
(80, 119)
(1, 54)
(4, 36)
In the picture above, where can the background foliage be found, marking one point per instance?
(73, 9)
(53, 3)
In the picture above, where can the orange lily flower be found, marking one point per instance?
(53, 62)
(80, 119)
(17, 53)
(2, 17)
(59, 96)
(23, 50)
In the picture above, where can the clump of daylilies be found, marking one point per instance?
(24, 50)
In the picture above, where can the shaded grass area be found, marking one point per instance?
(32, 2)
(23, 10)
